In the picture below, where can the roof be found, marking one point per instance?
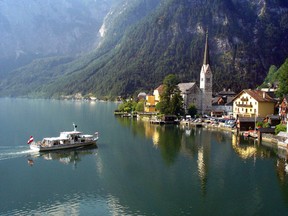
(183, 87)
(267, 130)
(258, 95)
(274, 117)
(250, 119)
(226, 93)
(142, 94)
(206, 51)
(160, 88)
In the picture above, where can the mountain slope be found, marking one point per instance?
(145, 41)
(34, 29)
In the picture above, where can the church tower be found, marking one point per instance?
(206, 81)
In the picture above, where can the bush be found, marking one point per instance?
(280, 127)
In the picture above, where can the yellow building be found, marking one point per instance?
(251, 103)
(152, 100)
(150, 105)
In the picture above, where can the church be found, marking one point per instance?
(192, 94)
(201, 96)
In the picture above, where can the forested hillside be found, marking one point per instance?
(144, 40)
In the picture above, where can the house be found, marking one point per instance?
(222, 104)
(283, 109)
(273, 120)
(191, 94)
(157, 92)
(247, 123)
(249, 103)
(141, 96)
(150, 105)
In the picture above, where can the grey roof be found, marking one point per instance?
(183, 87)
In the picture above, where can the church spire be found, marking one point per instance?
(206, 52)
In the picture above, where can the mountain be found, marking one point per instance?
(144, 40)
(33, 29)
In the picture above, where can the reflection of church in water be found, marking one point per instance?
(199, 149)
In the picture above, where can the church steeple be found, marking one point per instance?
(206, 51)
(206, 78)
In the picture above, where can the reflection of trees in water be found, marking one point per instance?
(196, 143)
(169, 143)
(137, 127)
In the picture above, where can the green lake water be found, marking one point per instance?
(137, 169)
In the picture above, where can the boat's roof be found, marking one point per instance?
(71, 132)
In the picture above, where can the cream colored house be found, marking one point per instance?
(252, 103)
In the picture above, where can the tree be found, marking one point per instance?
(192, 110)
(171, 100)
(271, 77)
(140, 106)
(283, 79)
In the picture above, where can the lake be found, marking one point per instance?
(137, 169)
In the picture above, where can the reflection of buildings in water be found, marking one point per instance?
(282, 169)
(152, 132)
(194, 142)
(244, 151)
(203, 158)
(282, 164)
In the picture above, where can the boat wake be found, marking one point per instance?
(8, 152)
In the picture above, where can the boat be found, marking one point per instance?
(66, 140)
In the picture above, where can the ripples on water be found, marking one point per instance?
(8, 152)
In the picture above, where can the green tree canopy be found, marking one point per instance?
(283, 79)
(171, 100)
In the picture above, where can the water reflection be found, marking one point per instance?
(250, 148)
(200, 145)
(68, 156)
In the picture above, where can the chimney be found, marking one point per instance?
(264, 95)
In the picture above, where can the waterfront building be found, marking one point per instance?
(253, 103)
(150, 105)
(222, 104)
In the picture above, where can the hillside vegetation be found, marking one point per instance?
(147, 40)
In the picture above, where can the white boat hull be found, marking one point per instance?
(37, 147)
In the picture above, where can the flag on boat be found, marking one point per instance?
(31, 139)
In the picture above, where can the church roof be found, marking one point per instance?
(183, 87)
(206, 51)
